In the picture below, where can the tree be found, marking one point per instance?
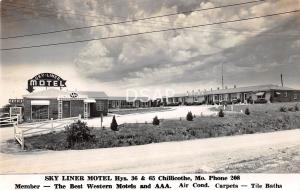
(114, 124)
(247, 111)
(155, 121)
(221, 113)
(189, 116)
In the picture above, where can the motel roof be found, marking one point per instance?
(129, 99)
(94, 94)
(55, 93)
(248, 89)
(177, 95)
(257, 88)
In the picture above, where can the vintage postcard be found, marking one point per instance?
(181, 87)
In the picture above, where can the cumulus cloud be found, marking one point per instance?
(179, 56)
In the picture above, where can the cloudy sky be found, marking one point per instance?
(253, 52)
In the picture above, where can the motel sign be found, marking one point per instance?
(45, 80)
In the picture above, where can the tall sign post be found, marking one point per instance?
(101, 120)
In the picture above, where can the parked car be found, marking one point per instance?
(225, 102)
(260, 101)
(174, 104)
(236, 101)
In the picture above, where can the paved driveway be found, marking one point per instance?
(175, 112)
(205, 155)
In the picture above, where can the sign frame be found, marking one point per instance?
(45, 80)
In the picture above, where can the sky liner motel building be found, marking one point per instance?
(58, 103)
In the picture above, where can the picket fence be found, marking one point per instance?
(29, 129)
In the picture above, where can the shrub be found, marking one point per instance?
(260, 101)
(221, 113)
(189, 116)
(291, 109)
(78, 132)
(296, 108)
(155, 121)
(247, 111)
(114, 124)
(282, 109)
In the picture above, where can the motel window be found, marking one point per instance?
(295, 97)
(225, 97)
(285, 94)
(99, 105)
(40, 112)
(220, 97)
(216, 97)
(233, 96)
(260, 97)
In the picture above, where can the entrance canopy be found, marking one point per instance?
(40, 102)
(89, 100)
(260, 94)
(72, 96)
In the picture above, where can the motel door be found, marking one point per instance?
(66, 111)
(246, 97)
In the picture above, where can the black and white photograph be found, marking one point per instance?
(150, 87)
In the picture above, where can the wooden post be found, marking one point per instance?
(15, 125)
(52, 127)
(22, 140)
(101, 120)
(18, 115)
(79, 117)
(15, 130)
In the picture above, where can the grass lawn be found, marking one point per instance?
(258, 121)
(138, 110)
(274, 107)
